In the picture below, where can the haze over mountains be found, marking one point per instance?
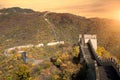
(24, 26)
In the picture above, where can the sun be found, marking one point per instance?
(117, 15)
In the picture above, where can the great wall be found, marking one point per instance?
(97, 65)
(31, 45)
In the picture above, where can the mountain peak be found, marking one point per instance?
(16, 10)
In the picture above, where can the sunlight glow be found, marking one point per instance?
(88, 8)
(117, 15)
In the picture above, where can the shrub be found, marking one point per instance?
(23, 72)
(75, 51)
(102, 52)
(55, 77)
(58, 62)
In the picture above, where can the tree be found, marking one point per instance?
(75, 51)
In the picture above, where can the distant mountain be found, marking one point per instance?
(25, 26)
(15, 10)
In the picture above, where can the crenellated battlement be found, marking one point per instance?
(105, 62)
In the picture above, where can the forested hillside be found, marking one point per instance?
(25, 26)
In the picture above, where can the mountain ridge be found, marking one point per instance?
(19, 28)
(15, 9)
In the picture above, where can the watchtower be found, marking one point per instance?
(86, 37)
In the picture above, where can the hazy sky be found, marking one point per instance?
(88, 8)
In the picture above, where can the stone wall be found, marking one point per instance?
(30, 46)
(55, 43)
(91, 40)
(105, 62)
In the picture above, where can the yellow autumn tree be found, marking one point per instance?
(102, 52)
(75, 51)
(23, 72)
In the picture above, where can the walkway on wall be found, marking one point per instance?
(108, 73)
(90, 63)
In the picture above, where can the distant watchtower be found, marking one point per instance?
(23, 55)
(86, 37)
